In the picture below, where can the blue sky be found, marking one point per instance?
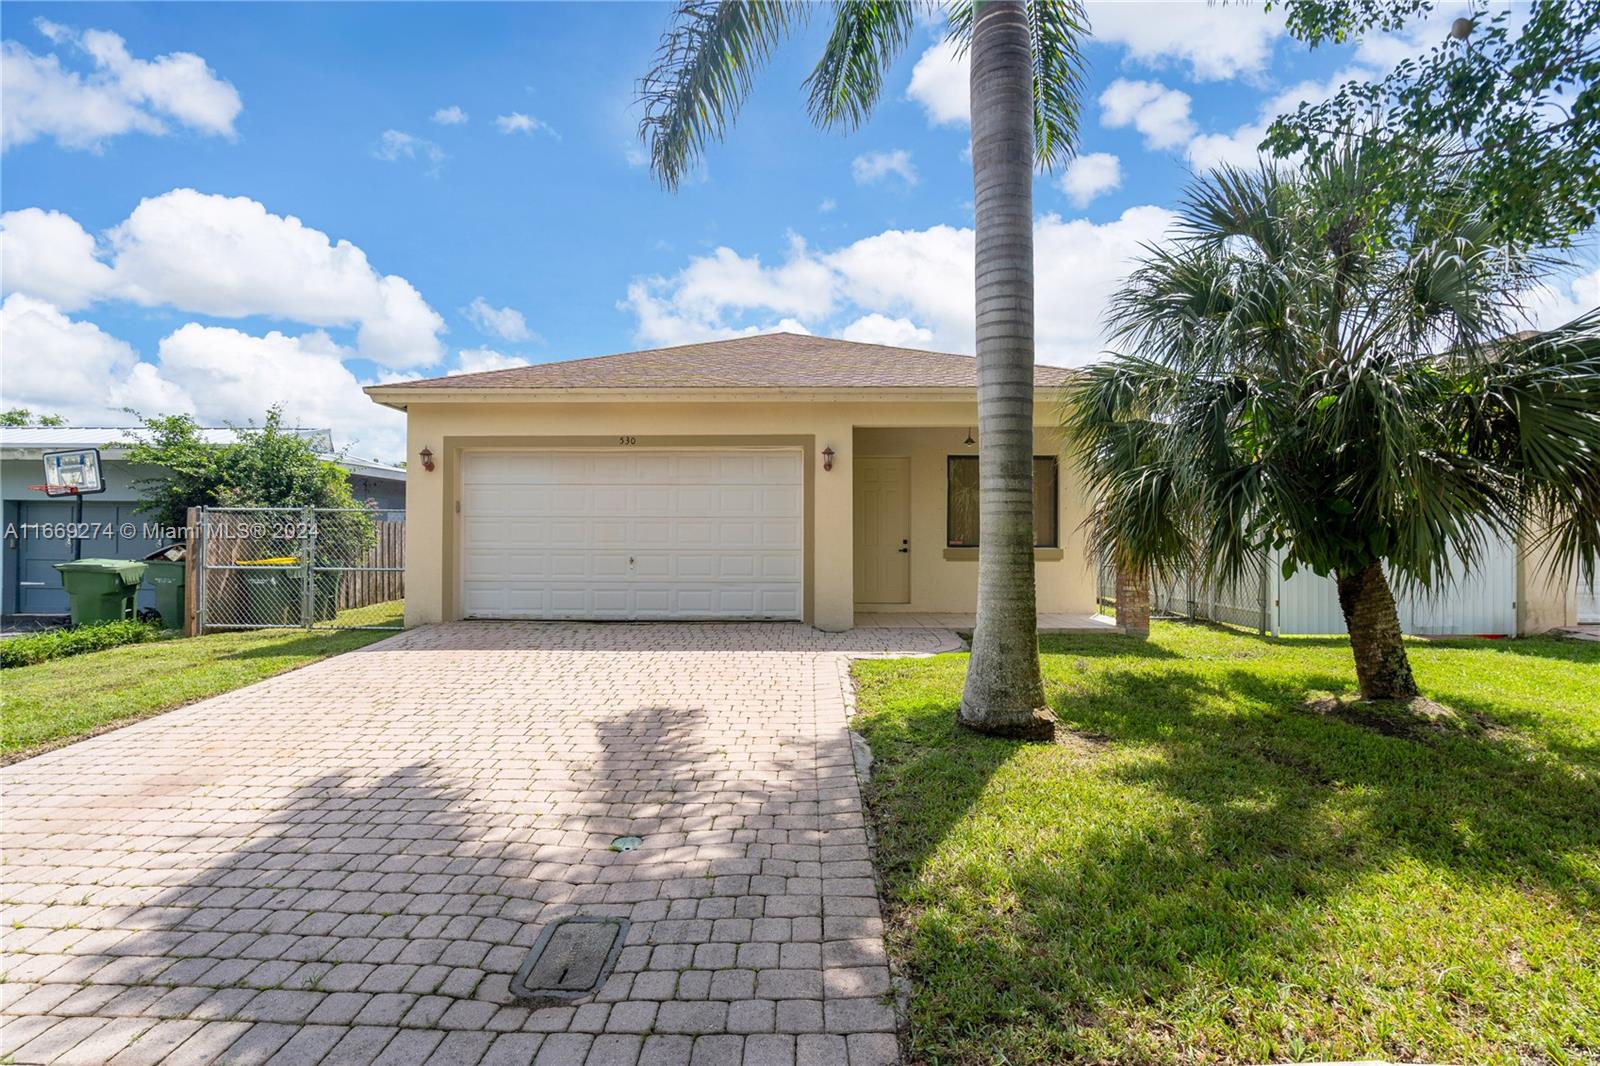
(469, 194)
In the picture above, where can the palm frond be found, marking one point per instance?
(868, 36)
(702, 73)
(1058, 29)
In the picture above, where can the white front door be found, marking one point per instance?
(633, 533)
(883, 530)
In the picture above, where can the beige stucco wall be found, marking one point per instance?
(453, 427)
(1065, 580)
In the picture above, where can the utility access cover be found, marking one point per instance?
(570, 960)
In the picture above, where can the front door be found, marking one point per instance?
(883, 530)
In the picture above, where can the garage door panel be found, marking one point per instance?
(736, 536)
(780, 535)
(633, 535)
(776, 567)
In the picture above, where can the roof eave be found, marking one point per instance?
(400, 397)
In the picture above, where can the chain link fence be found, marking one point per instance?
(1245, 603)
(300, 568)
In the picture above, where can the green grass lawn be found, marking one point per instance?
(57, 702)
(1202, 870)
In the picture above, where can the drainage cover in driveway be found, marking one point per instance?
(570, 960)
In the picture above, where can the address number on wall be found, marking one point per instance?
(627, 440)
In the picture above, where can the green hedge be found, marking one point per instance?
(59, 643)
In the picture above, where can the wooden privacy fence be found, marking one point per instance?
(380, 577)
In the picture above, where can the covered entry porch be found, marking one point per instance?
(914, 514)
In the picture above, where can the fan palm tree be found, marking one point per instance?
(1027, 71)
(1308, 376)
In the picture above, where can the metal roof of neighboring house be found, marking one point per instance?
(764, 361)
(27, 442)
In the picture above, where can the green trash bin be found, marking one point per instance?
(272, 590)
(166, 577)
(327, 589)
(101, 590)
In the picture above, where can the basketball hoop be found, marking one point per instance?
(74, 473)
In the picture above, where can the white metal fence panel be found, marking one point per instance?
(1480, 603)
(1589, 602)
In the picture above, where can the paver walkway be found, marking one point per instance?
(347, 864)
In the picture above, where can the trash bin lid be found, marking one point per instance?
(128, 570)
(172, 553)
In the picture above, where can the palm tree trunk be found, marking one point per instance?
(1382, 669)
(1003, 688)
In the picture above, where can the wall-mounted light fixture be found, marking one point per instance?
(827, 458)
(427, 460)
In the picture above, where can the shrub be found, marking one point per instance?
(59, 643)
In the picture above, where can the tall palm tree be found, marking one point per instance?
(1307, 375)
(1027, 71)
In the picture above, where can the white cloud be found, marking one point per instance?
(47, 254)
(234, 377)
(1557, 301)
(517, 122)
(1088, 176)
(875, 166)
(1212, 41)
(939, 82)
(394, 145)
(52, 31)
(697, 302)
(827, 205)
(120, 94)
(55, 365)
(506, 323)
(876, 328)
(450, 116)
(900, 286)
(1160, 113)
(478, 360)
(1240, 147)
(228, 257)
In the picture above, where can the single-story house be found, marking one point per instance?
(777, 476)
(37, 528)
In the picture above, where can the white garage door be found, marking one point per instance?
(632, 533)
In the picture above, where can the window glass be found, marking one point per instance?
(961, 502)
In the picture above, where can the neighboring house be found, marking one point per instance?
(35, 526)
(776, 476)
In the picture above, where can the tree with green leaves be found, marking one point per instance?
(21, 416)
(1027, 73)
(265, 466)
(1512, 92)
(1350, 389)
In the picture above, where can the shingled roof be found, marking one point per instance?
(765, 361)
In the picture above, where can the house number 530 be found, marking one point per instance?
(627, 440)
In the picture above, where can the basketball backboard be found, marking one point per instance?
(73, 473)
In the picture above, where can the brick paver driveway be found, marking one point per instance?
(348, 863)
